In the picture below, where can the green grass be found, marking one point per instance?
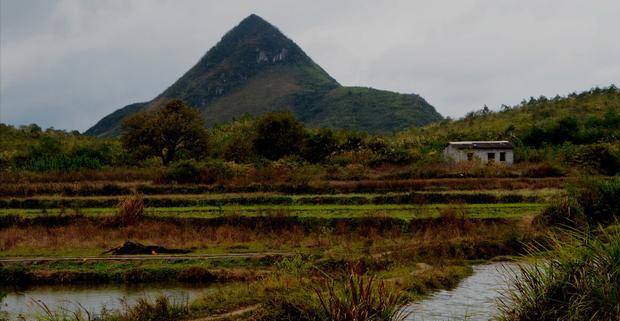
(505, 210)
(270, 199)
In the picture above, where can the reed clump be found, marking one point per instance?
(360, 298)
(579, 279)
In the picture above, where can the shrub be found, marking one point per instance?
(130, 210)
(564, 212)
(544, 170)
(318, 146)
(278, 135)
(354, 172)
(598, 157)
(592, 202)
(185, 171)
(215, 171)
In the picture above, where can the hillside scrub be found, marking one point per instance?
(550, 141)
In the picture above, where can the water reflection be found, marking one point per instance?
(29, 302)
(475, 299)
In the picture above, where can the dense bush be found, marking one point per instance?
(216, 171)
(31, 149)
(579, 279)
(592, 202)
(278, 135)
(185, 171)
(319, 145)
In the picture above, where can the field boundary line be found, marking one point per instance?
(142, 257)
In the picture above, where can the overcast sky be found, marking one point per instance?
(68, 63)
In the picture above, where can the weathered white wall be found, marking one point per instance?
(460, 155)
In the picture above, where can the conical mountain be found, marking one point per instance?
(255, 68)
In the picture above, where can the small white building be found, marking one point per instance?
(501, 151)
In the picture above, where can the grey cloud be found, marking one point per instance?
(68, 63)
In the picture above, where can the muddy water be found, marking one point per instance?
(29, 302)
(475, 298)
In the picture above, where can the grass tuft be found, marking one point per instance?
(578, 280)
(130, 210)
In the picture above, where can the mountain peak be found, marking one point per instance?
(255, 68)
(253, 26)
(254, 19)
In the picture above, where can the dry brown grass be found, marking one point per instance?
(118, 174)
(432, 239)
(130, 210)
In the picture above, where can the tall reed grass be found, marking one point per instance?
(161, 308)
(360, 298)
(579, 279)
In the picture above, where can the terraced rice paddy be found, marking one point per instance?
(57, 233)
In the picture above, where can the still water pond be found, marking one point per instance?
(475, 298)
(28, 302)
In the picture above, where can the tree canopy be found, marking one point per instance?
(167, 133)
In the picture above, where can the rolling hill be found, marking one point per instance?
(255, 69)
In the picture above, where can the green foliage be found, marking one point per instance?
(592, 202)
(170, 133)
(278, 135)
(30, 148)
(160, 309)
(580, 129)
(599, 158)
(234, 141)
(295, 265)
(216, 170)
(185, 171)
(371, 110)
(319, 145)
(578, 280)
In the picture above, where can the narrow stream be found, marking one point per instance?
(29, 302)
(474, 299)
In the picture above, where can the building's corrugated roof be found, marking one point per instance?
(483, 144)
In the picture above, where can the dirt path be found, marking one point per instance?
(236, 313)
(140, 257)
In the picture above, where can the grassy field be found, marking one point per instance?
(406, 212)
(416, 240)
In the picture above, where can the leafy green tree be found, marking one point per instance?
(278, 134)
(319, 145)
(167, 133)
